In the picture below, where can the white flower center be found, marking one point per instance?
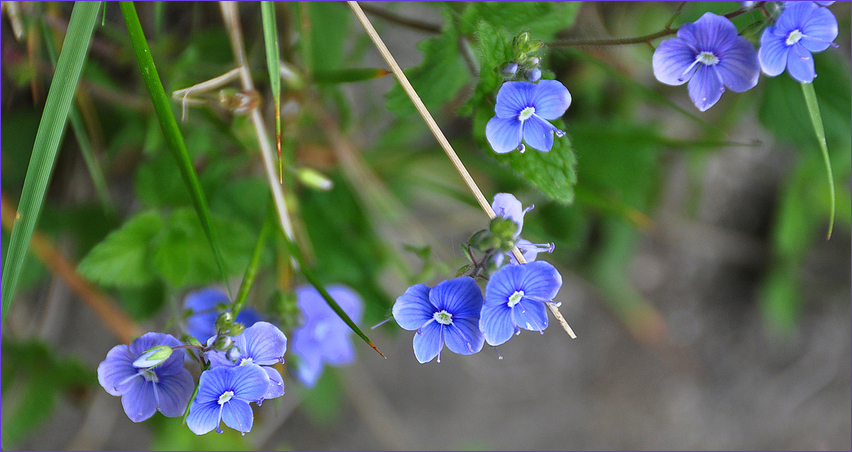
(225, 397)
(245, 361)
(794, 37)
(707, 58)
(526, 113)
(443, 317)
(149, 375)
(516, 298)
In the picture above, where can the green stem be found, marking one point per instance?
(168, 123)
(819, 130)
(254, 262)
(270, 39)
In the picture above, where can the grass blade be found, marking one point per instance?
(46, 147)
(819, 130)
(174, 139)
(270, 40)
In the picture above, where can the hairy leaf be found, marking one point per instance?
(121, 260)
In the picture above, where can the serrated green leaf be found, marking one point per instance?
(493, 49)
(437, 79)
(541, 19)
(122, 260)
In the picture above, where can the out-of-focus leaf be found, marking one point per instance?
(122, 259)
(350, 75)
(541, 19)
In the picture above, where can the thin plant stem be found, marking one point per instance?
(254, 262)
(442, 140)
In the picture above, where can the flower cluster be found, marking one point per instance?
(711, 56)
(455, 313)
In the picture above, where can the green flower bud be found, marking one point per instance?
(314, 179)
(153, 357)
(223, 343)
(224, 321)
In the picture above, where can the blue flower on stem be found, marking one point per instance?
(710, 56)
(447, 313)
(166, 386)
(521, 113)
(201, 324)
(507, 206)
(224, 394)
(514, 298)
(802, 29)
(261, 344)
(324, 337)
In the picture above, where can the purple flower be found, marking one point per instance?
(710, 55)
(447, 313)
(224, 393)
(261, 344)
(507, 206)
(166, 387)
(521, 111)
(514, 299)
(201, 324)
(324, 337)
(803, 28)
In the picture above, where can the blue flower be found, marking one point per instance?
(521, 111)
(166, 387)
(507, 206)
(261, 344)
(514, 298)
(224, 393)
(530, 250)
(447, 313)
(710, 56)
(803, 28)
(201, 324)
(323, 336)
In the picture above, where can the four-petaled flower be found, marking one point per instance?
(710, 56)
(166, 386)
(802, 29)
(324, 337)
(521, 113)
(224, 394)
(201, 324)
(447, 313)
(514, 298)
(261, 344)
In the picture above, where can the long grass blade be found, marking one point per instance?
(819, 130)
(46, 147)
(174, 139)
(270, 40)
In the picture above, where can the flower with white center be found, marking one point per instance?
(522, 113)
(802, 29)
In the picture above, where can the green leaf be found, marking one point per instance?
(541, 19)
(46, 148)
(494, 49)
(122, 259)
(437, 79)
(819, 131)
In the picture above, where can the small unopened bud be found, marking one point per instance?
(480, 240)
(236, 329)
(234, 354)
(534, 74)
(153, 356)
(314, 179)
(510, 69)
(503, 231)
(532, 61)
(224, 321)
(223, 343)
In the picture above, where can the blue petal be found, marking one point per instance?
(541, 281)
(205, 300)
(496, 324)
(238, 415)
(249, 382)
(276, 383)
(315, 308)
(507, 206)
(264, 343)
(172, 365)
(504, 134)
(704, 88)
(710, 33)
(800, 64)
(672, 60)
(502, 284)
(530, 315)
(413, 309)
(512, 98)
(115, 371)
(428, 342)
(337, 350)
(550, 99)
(820, 30)
(772, 53)
(174, 393)
(461, 297)
(308, 369)
(203, 417)
(138, 401)
(248, 317)
(538, 133)
(738, 66)
(463, 336)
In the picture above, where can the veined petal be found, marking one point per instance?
(704, 88)
(115, 372)
(710, 33)
(238, 415)
(739, 67)
(550, 99)
(541, 281)
(672, 61)
(276, 383)
(265, 343)
(538, 133)
(463, 336)
(504, 134)
(174, 393)
(794, 16)
(530, 315)
(800, 64)
(502, 284)
(203, 417)
(496, 323)
(413, 309)
(512, 98)
(428, 342)
(138, 401)
(820, 30)
(461, 297)
(507, 206)
(772, 53)
(249, 382)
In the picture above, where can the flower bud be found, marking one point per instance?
(532, 61)
(153, 356)
(222, 343)
(510, 69)
(480, 240)
(314, 179)
(224, 321)
(533, 74)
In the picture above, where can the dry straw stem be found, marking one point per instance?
(442, 140)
